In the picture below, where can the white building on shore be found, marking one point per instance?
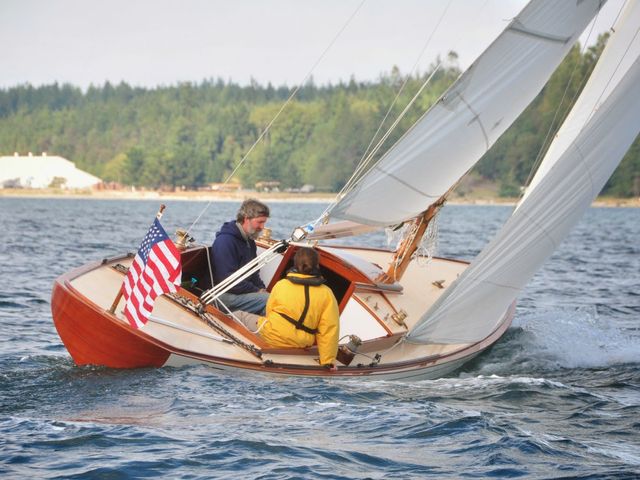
(43, 171)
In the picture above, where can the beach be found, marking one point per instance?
(239, 195)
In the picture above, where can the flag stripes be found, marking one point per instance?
(155, 270)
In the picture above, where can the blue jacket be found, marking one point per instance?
(230, 252)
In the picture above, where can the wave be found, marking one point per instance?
(554, 338)
(578, 338)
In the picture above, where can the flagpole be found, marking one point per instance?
(159, 214)
(116, 301)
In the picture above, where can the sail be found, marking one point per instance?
(622, 50)
(474, 304)
(452, 136)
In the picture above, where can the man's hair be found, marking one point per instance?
(252, 208)
(306, 261)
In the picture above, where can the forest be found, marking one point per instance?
(191, 134)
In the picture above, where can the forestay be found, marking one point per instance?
(452, 136)
(472, 307)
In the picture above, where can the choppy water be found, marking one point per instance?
(557, 397)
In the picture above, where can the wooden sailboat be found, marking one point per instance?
(399, 318)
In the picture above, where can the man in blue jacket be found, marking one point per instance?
(234, 247)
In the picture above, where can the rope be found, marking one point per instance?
(404, 84)
(245, 271)
(293, 94)
(429, 245)
(213, 323)
(368, 155)
(358, 174)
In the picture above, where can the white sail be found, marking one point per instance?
(622, 50)
(452, 136)
(472, 307)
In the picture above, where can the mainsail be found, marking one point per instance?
(603, 125)
(452, 136)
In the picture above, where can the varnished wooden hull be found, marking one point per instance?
(94, 337)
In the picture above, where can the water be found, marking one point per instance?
(557, 397)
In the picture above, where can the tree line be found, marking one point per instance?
(192, 134)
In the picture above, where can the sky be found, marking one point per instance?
(161, 42)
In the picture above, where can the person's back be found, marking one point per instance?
(302, 310)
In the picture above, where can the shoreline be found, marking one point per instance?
(188, 195)
(198, 196)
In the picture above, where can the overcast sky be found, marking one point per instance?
(162, 42)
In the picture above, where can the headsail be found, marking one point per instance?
(606, 75)
(471, 308)
(452, 136)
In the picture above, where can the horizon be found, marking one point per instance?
(212, 81)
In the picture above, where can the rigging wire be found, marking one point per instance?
(367, 157)
(604, 89)
(404, 84)
(359, 174)
(351, 183)
(293, 94)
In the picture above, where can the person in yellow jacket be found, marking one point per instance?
(301, 310)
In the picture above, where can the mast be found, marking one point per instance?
(409, 245)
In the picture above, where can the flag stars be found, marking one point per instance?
(150, 276)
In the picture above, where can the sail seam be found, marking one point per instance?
(402, 182)
(517, 27)
(476, 117)
(585, 164)
(484, 280)
(542, 229)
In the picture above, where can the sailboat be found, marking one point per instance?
(399, 317)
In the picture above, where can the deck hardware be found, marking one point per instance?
(348, 351)
(376, 360)
(399, 318)
(265, 234)
(183, 239)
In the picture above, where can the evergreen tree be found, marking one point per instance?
(190, 134)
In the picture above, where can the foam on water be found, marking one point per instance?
(578, 338)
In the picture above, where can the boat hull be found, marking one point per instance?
(95, 336)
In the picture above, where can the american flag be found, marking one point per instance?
(155, 270)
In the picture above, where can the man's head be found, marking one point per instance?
(252, 216)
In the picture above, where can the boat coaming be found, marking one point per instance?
(176, 335)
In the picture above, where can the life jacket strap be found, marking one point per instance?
(299, 324)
